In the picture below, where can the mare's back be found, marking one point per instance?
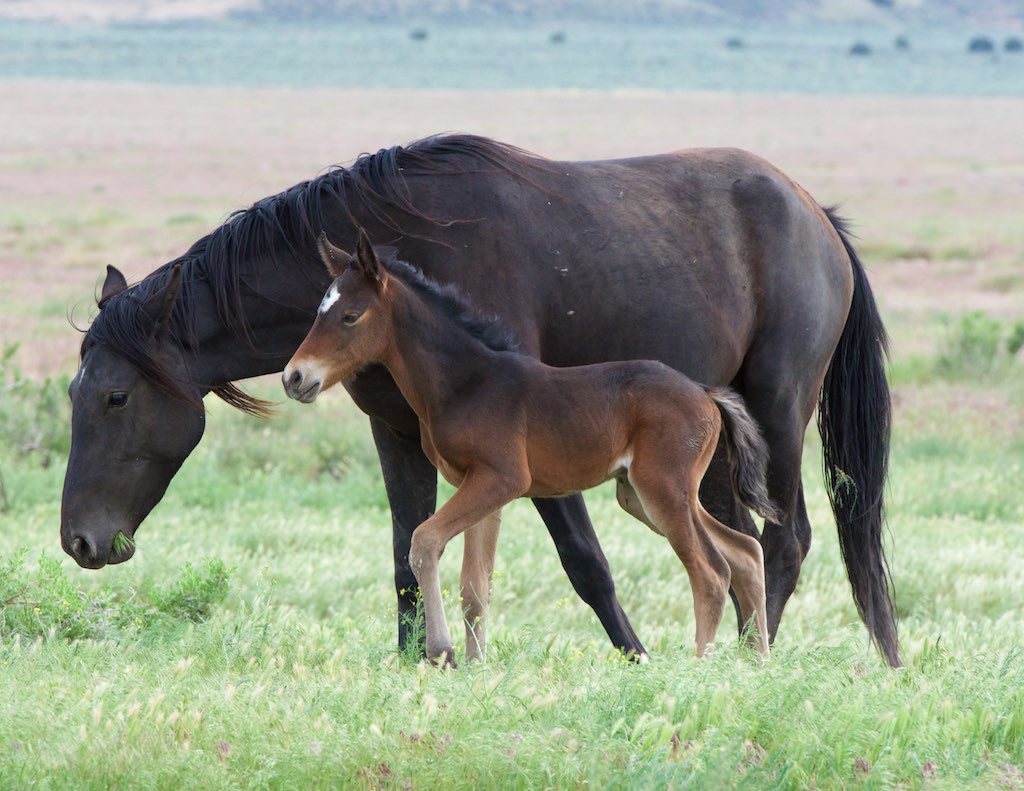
(652, 257)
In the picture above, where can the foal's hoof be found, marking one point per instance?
(444, 659)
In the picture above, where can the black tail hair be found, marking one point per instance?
(855, 422)
(747, 451)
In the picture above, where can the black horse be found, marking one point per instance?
(710, 260)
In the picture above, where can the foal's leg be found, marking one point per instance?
(481, 543)
(719, 499)
(478, 497)
(742, 553)
(629, 501)
(667, 506)
(746, 565)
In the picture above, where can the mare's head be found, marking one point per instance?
(352, 326)
(129, 434)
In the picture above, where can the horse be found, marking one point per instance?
(709, 260)
(498, 425)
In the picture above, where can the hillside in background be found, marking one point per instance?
(932, 12)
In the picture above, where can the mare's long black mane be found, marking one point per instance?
(455, 306)
(285, 227)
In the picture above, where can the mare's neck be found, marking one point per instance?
(278, 315)
(279, 298)
(433, 361)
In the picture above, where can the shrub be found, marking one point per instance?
(195, 594)
(981, 44)
(1016, 340)
(34, 415)
(44, 601)
(972, 345)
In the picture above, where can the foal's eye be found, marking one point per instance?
(116, 400)
(350, 318)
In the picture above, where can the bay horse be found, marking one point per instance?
(499, 425)
(708, 260)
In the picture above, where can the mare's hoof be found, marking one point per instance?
(444, 659)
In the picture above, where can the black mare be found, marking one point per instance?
(710, 260)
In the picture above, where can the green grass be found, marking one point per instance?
(250, 642)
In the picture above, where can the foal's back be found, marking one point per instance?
(581, 423)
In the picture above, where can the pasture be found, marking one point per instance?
(250, 642)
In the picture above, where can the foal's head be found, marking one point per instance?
(352, 326)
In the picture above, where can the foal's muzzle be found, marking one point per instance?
(302, 385)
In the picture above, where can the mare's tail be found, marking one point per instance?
(855, 422)
(747, 451)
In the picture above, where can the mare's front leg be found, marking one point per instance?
(481, 494)
(587, 568)
(411, 484)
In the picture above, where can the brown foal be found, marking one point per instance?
(499, 425)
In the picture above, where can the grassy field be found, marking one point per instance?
(250, 642)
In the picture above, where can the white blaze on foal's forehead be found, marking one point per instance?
(329, 299)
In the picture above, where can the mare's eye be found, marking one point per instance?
(350, 318)
(116, 400)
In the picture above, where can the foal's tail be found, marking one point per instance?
(747, 451)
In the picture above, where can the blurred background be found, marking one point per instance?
(896, 46)
(132, 127)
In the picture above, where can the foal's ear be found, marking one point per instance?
(161, 303)
(335, 259)
(367, 261)
(112, 286)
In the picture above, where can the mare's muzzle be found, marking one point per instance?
(93, 550)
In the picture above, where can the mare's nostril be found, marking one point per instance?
(295, 379)
(82, 549)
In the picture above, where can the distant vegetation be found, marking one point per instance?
(996, 11)
(981, 44)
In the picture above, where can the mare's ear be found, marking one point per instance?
(335, 259)
(367, 261)
(112, 286)
(161, 303)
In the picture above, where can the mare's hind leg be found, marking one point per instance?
(785, 545)
(481, 543)
(667, 506)
(746, 563)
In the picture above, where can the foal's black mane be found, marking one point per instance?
(284, 227)
(455, 306)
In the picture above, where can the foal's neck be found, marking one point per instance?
(431, 358)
